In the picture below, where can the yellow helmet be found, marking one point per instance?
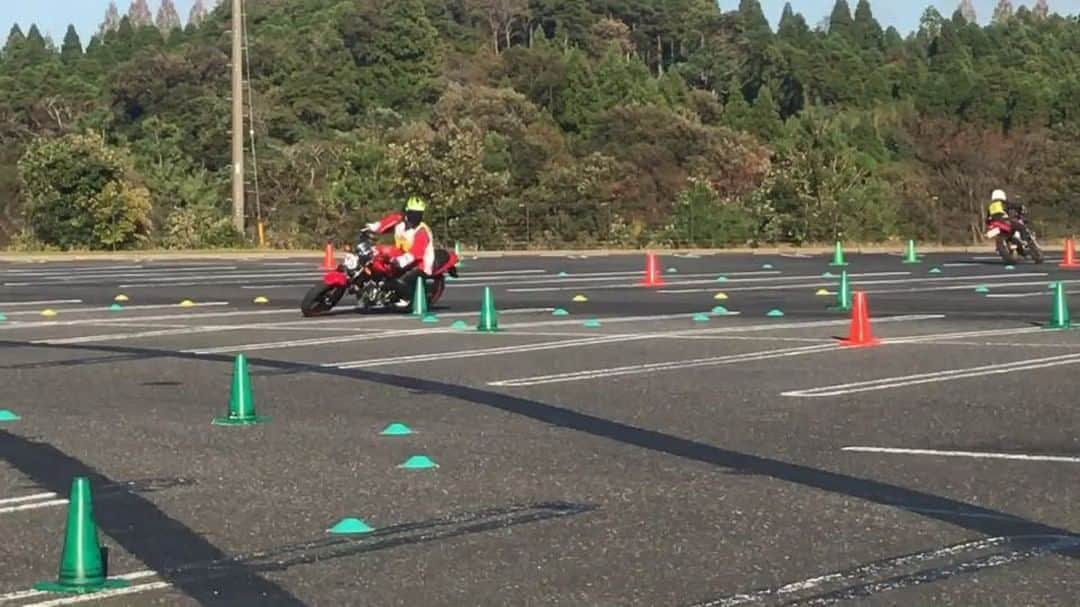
(416, 203)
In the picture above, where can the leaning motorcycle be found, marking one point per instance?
(1012, 244)
(366, 272)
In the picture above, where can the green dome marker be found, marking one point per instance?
(418, 462)
(560, 312)
(350, 526)
(396, 429)
(775, 313)
(8, 416)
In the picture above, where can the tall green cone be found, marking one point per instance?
(838, 256)
(909, 253)
(82, 569)
(489, 322)
(457, 251)
(1059, 313)
(843, 294)
(419, 300)
(241, 405)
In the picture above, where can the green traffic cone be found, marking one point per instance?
(82, 569)
(241, 406)
(489, 322)
(838, 256)
(1059, 313)
(419, 300)
(909, 253)
(843, 294)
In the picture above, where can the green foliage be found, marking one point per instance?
(81, 194)
(542, 122)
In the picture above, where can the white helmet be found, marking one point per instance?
(999, 195)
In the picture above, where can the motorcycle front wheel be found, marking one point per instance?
(1006, 252)
(1036, 251)
(320, 299)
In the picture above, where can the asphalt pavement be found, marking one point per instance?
(704, 442)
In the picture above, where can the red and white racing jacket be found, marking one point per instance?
(416, 245)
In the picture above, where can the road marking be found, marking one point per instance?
(114, 320)
(209, 304)
(817, 281)
(935, 377)
(665, 366)
(970, 454)
(33, 506)
(44, 302)
(28, 498)
(27, 594)
(858, 582)
(961, 334)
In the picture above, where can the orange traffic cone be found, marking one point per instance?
(859, 335)
(1069, 263)
(652, 272)
(329, 263)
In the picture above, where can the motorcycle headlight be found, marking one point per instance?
(352, 261)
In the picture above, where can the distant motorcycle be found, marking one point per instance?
(365, 273)
(1012, 242)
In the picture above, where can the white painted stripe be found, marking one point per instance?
(135, 308)
(935, 377)
(97, 596)
(28, 498)
(44, 302)
(26, 594)
(86, 339)
(113, 320)
(665, 366)
(817, 281)
(961, 334)
(969, 454)
(33, 506)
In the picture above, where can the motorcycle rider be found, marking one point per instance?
(1001, 208)
(415, 244)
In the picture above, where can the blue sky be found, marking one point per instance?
(53, 16)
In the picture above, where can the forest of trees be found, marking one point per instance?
(541, 123)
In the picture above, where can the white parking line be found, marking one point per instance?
(115, 320)
(209, 304)
(28, 498)
(28, 594)
(969, 454)
(33, 506)
(43, 302)
(71, 600)
(935, 377)
(665, 366)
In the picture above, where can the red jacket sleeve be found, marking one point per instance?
(387, 223)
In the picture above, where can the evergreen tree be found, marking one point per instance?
(111, 20)
(793, 26)
(139, 13)
(72, 48)
(1002, 12)
(967, 10)
(752, 18)
(198, 14)
(1041, 10)
(167, 17)
(867, 29)
(763, 119)
(840, 22)
(15, 40)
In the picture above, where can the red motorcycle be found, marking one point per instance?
(365, 273)
(1014, 241)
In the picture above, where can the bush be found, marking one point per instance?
(200, 227)
(81, 193)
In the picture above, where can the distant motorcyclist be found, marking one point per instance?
(1001, 208)
(415, 247)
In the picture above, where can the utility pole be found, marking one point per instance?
(238, 114)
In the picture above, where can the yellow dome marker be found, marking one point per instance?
(48, 313)
(822, 292)
(187, 303)
(121, 298)
(580, 299)
(261, 300)
(720, 297)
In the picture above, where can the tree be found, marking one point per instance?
(1041, 10)
(167, 17)
(867, 30)
(82, 194)
(15, 40)
(967, 11)
(502, 16)
(752, 18)
(112, 19)
(1002, 12)
(72, 48)
(198, 14)
(139, 13)
(840, 22)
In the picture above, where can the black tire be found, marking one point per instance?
(320, 299)
(1006, 253)
(1036, 251)
(435, 289)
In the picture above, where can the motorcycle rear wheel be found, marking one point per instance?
(1006, 252)
(320, 299)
